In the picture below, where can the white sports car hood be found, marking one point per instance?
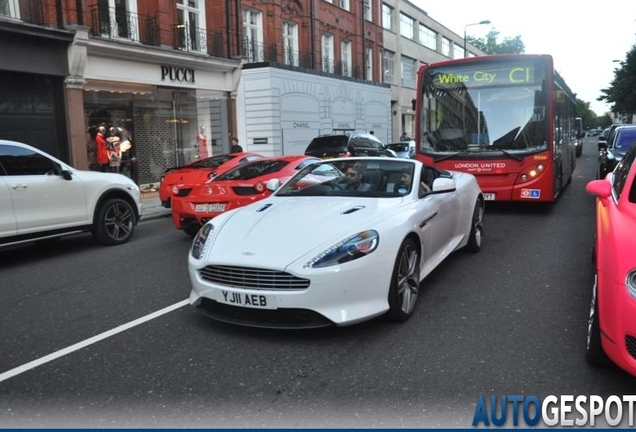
(276, 232)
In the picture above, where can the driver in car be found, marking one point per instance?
(355, 177)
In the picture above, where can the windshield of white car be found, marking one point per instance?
(386, 178)
(253, 169)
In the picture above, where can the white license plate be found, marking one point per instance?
(209, 208)
(256, 301)
(489, 196)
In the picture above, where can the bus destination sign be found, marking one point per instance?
(484, 75)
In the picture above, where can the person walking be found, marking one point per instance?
(236, 148)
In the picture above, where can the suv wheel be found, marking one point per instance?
(114, 222)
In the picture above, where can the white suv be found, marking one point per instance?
(43, 198)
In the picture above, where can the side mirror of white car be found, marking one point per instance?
(444, 184)
(272, 184)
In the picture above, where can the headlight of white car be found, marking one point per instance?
(198, 245)
(630, 281)
(349, 249)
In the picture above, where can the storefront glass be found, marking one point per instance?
(167, 127)
(30, 111)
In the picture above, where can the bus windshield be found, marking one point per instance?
(480, 108)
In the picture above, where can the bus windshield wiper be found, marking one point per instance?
(511, 155)
(444, 157)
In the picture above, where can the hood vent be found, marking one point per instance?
(265, 207)
(353, 209)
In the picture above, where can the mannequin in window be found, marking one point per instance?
(113, 146)
(101, 151)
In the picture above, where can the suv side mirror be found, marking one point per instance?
(602, 145)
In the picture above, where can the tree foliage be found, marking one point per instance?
(621, 93)
(489, 44)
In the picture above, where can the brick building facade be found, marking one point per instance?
(171, 73)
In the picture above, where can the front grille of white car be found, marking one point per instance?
(252, 278)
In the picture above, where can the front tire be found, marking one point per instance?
(476, 236)
(192, 229)
(115, 222)
(405, 282)
(594, 353)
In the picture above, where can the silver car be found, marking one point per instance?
(403, 149)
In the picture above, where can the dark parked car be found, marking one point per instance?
(347, 144)
(620, 139)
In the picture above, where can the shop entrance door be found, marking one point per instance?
(185, 127)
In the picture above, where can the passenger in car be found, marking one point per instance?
(404, 185)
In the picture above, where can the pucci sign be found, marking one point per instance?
(177, 74)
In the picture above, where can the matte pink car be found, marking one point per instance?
(611, 333)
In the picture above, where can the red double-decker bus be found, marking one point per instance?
(507, 119)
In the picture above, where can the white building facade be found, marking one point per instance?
(280, 110)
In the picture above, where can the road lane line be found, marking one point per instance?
(64, 351)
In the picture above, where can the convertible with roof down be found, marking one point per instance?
(343, 241)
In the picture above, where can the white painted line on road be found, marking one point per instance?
(57, 354)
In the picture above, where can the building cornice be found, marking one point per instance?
(155, 55)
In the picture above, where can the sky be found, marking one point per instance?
(584, 38)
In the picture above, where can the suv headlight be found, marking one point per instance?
(349, 249)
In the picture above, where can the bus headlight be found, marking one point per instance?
(531, 173)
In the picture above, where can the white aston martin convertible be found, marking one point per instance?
(343, 241)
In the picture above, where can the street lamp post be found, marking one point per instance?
(467, 25)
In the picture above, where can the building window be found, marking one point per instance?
(428, 37)
(290, 43)
(327, 53)
(387, 67)
(190, 25)
(408, 71)
(253, 34)
(458, 51)
(446, 47)
(10, 8)
(118, 19)
(406, 26)
(387, 17)
(345, 57)
(344, 4)
(368, 10)
(368, 59)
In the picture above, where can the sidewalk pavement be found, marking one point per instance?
(151, 206)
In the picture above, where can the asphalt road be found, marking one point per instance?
(509, 320)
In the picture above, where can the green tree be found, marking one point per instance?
(489, 44)
(621, 93)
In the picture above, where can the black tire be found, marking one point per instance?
(192, 229)
(594, 353)
(114, 223)
(476, 236)
(405, 282)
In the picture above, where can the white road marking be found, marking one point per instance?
(57, 354)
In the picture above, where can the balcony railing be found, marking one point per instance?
(194, 39)
(256, 52)
(28, 11)
(118, 24)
